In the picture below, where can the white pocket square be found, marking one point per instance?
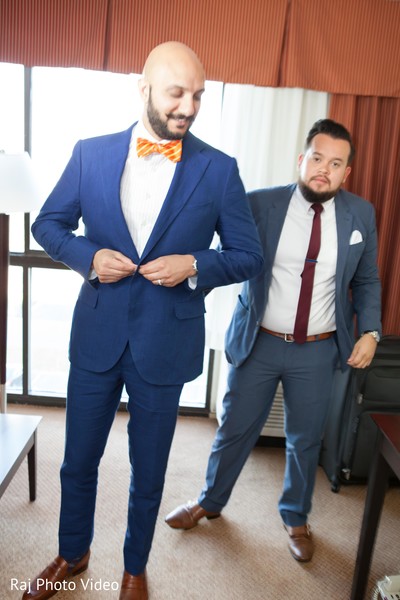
(355, 237)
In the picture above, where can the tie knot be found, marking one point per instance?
(317, 207)
(172, 150)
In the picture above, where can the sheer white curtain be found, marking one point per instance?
(264, 129)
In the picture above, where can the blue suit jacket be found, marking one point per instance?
(164, 326)
(358, 288)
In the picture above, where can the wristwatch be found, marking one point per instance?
(194, 266)
(374, 334)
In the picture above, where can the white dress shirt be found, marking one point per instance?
(144, 185)
(285, 286)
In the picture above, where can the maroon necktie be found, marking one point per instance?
(307, 278)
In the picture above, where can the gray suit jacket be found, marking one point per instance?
(358, 289)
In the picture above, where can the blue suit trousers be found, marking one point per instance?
(306, 371)
(92, 401)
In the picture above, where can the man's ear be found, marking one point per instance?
(143, 86)
(300, 160)
(346, 173)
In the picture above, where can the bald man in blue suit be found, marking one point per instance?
(261, 342)
(147, 264)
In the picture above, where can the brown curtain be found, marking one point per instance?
(375, 126)
(234, 38)
(343, 47)
(238, 41)
(53, 33)
(336, 46)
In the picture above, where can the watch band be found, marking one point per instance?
(374, 334)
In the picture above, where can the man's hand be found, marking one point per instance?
(111, 266)
(169, 270)
(363, 352)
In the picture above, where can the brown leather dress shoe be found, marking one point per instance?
(188, 515)
(49, 582)
(134, 587)
(301, 544)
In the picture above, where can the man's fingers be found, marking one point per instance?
(111, 266)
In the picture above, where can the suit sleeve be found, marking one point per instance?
(239, 256)
(59, 217)
(365, 285)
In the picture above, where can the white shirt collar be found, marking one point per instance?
(140, 131)
(305, 204)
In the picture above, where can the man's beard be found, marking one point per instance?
(312, 196)
(160, 127)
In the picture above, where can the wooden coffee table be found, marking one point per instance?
(18, 439)
(386, 460)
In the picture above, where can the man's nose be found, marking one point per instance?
(187, 106)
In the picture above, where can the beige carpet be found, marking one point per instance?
(241, 556)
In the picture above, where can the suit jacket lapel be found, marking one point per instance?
(275, 218)
(110, 173)
(187, 175)
(344, 221)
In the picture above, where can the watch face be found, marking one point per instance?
(375, 335)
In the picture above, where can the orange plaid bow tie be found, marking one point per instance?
(172, 150)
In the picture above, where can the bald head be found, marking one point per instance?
(171, 89)
(174, 55)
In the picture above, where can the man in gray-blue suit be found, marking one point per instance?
(264, 343)
(151, 199)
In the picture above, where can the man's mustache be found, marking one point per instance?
(180, 118)
(326, 179)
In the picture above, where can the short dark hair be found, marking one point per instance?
(335, 130)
